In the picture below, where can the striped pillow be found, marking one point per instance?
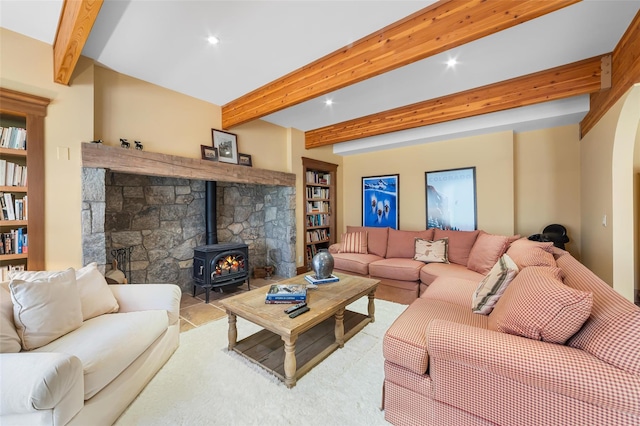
(428, 251)
(493, 285)
(354, 242)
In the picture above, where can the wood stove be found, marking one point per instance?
(220, 265)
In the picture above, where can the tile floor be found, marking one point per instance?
(194, 312)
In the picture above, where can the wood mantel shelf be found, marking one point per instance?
(154, 164)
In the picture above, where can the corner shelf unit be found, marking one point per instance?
(26, 112)
(320, 206)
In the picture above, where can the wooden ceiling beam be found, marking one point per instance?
(625, 72)
(578, 78)
(76, 20)
(435, 29)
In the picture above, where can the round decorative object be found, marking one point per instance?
(322, 264)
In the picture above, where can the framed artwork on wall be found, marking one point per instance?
(244, 160)
(381, 201)
(451, 199)
(227, 145)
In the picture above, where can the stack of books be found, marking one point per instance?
(313, 280)
(287, 293)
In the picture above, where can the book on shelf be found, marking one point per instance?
(8, 198)
(313, 280)
(286, 293)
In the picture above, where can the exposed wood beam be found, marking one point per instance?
(625, 72)
(76, 20)
(578, 78)
(435, 29)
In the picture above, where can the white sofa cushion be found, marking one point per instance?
(45, 309)
(9, 339)
(95, 296)
(107, 344)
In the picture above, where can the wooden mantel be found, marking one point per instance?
(153, 164)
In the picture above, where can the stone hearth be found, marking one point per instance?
(163, 219)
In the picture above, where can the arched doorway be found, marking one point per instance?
(624, 205)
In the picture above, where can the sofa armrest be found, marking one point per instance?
(335, 248)
(147, 297)
(556, 368)
(41, 381)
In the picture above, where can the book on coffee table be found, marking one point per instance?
(286, 293)
(313, 280)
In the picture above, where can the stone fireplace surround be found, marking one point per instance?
(155, 203)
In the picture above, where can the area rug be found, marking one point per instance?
(204, 384)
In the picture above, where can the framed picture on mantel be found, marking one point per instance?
(227, 145)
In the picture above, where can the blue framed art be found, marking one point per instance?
(381, 201)
(451, 199)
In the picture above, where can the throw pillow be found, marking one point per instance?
(531, 253)
(538, 306)
(428, 251)
(486, 251)
(493, 285)
(9, 339)
(402, 244)
(354, 242)
(46, 309)
(459, 245)
(95, 296)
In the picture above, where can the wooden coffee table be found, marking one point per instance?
(308, 338)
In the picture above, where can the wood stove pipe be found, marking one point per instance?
(210, 213)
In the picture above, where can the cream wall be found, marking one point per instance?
(27, 65)
(547, 182)
(492, 155)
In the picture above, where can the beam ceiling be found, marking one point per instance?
(76, 20)
(579, 78)
(435, 29)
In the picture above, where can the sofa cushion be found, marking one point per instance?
(460, 244)
(531, 253)
(405, 342)
(611, 332)
(9, 339)
(493, 285)
(376, 238)
(486, 251)
(106, 345)
(431, 271)
(45, 309)
(397, 269)
(402, 244)
(95, 296)
(353, 262)
(428, 251)
(538, 306)
(452, 290)
(354, 242)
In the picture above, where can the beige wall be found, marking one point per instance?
(547, 187)
(26, 65)
(596, 150)
(492, 155)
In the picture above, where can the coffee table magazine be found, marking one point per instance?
(286, 293)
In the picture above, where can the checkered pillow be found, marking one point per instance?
(493, 285)
(537, 305)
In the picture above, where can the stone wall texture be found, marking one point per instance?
(163, 219)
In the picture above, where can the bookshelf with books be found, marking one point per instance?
(21, 198)
(320, 206)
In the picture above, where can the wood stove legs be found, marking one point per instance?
(207, 289)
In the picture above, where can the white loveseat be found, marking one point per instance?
(112, 340)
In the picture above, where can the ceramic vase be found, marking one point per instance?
(322, 264)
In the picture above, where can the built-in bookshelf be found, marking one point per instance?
(320, 206)
(21, 194)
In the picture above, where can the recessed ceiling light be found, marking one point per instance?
(328, 102)
(213, 40)
(452, 62)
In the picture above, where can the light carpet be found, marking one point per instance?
(204, 384)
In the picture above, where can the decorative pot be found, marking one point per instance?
(322, 264)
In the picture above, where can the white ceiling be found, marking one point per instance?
(164, 42)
